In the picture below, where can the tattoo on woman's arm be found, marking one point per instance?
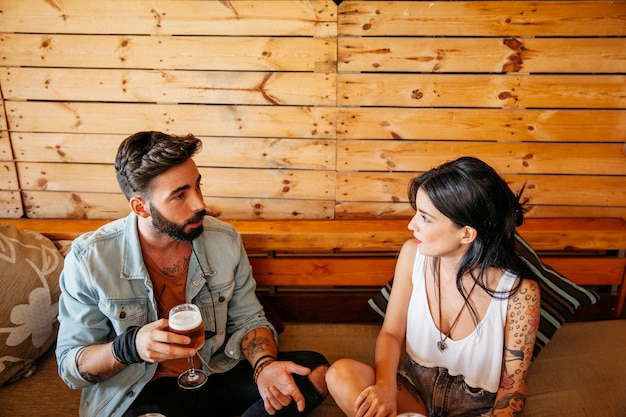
(514, 401)
(523, 314)
(523, 322)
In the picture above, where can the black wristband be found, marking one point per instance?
(261, 358)
(124, 347)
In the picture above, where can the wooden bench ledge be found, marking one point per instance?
(359, 257)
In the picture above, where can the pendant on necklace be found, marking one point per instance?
(441, 345)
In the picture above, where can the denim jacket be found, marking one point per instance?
(105, 288)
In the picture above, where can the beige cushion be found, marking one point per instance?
(42, 395)
(30, 265)
(580, 373)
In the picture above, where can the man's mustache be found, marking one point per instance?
(197, 217)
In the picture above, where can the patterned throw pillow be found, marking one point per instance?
(30, 265)
(560, 297)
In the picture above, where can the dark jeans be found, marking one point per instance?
(232, 393)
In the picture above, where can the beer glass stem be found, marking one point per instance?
(191, 378)
(192, 371)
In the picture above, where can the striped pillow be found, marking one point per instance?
(560, 297)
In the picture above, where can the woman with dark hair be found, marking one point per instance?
(462, 302)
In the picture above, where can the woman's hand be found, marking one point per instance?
(376, 401)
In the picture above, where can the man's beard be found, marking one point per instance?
(173, 230)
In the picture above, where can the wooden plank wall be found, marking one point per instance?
(254, 79)
(537, 89)
(309, 110)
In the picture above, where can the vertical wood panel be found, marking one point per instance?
(8, 179)
(11, 204)
(6, 153)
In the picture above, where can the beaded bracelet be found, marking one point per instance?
(260, 367)
(261, 358)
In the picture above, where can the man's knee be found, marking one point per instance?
(318, 379)
(315, 361)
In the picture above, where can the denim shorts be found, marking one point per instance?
(444, 394)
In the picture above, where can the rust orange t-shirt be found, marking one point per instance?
(169, 291)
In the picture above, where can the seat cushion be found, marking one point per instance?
(30, 265)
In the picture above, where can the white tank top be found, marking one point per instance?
(478, 357)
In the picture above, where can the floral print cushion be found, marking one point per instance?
(30, 265)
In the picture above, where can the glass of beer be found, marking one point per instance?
(186, 319)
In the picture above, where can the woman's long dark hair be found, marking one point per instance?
(471, 193)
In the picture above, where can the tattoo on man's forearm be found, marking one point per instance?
(253, 344)
(89, 377)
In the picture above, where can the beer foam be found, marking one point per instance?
(185, 320)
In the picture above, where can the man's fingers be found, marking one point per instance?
(268, 407)
(282, 389)
(282, 399)
(299, 401)
(155, 343)
(294, 368)
(271, 404)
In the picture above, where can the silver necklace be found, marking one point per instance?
(441, 344)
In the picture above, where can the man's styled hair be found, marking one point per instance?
(145, 155)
